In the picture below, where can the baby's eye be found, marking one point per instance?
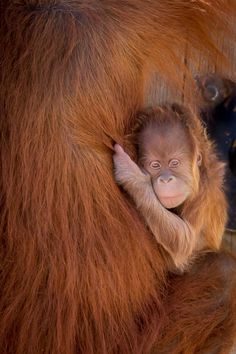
(155, 165)
(174, 163)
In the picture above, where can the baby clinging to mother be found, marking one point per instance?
(177, 184)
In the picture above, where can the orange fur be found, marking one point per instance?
(79, 273)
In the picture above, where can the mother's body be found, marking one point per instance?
(79, 272)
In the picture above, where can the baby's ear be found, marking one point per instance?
(199, 159)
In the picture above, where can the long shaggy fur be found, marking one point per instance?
(79, 273)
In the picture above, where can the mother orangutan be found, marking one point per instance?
(79, 272)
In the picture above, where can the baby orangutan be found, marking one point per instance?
(177, 183)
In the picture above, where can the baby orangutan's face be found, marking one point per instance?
(167, 155)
